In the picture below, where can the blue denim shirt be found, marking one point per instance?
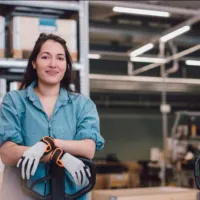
(23, 121)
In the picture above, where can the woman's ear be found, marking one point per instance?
(34, 65)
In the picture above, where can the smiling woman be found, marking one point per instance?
(50, 63)
(50, 56)
(43, 116)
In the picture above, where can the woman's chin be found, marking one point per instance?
(51, 82)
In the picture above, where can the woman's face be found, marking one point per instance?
(50, 63)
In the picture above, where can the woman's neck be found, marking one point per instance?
(46, 90)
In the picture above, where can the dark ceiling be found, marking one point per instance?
(112, 33)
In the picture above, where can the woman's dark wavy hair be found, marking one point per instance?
(31, 75)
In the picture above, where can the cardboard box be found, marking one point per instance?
(134, 180)
(134, 170)
(101, 181)
(132, 166)
(118, 180)
(154, 193)
(24, 32)
(2, 36)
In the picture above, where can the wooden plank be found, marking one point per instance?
(165, 196)
(152, 193)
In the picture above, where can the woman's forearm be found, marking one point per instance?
(10, 153)
(84, 148)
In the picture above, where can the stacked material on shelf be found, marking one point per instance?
(2, 36)
(23, 38)
(152, 193)
(3, 88)
(134, 170)
(15, 85)
(111, 175)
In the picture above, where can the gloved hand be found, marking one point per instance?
(28, 163)
(79, 172)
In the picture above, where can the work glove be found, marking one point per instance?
(79, 172)
(28, 163)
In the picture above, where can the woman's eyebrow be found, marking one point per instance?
(45, 52)
(59, 54)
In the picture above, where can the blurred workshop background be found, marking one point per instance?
(139, 62)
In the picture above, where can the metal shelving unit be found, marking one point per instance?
(64, 5)
(191, 140)
(182, 175)
(83, 65)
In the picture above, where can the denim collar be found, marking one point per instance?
(64, 97)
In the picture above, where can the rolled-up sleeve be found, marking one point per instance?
(10, 129)
(88, 126)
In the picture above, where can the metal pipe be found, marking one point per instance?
(174, 10)
(170, 58)
(143, 79)
(175, 66)
(130, 68)
(135, 103)
(189, 113)
(111, 55)
(164, 114)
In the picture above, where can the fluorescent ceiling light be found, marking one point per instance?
(175, 33)
(141, 12)
(94, 56)
(148, 59)
(193, 62)
(141, 50)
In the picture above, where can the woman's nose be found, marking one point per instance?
(53, 63)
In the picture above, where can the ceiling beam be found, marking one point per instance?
(142, 34)
(116, 83)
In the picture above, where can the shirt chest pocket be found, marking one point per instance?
(33, 127)
(65, 132)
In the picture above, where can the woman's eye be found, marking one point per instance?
(61, 59)
(44, 57)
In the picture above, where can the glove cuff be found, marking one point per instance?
(56, 156)
(49, 141)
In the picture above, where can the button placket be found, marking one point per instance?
(51, 126)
